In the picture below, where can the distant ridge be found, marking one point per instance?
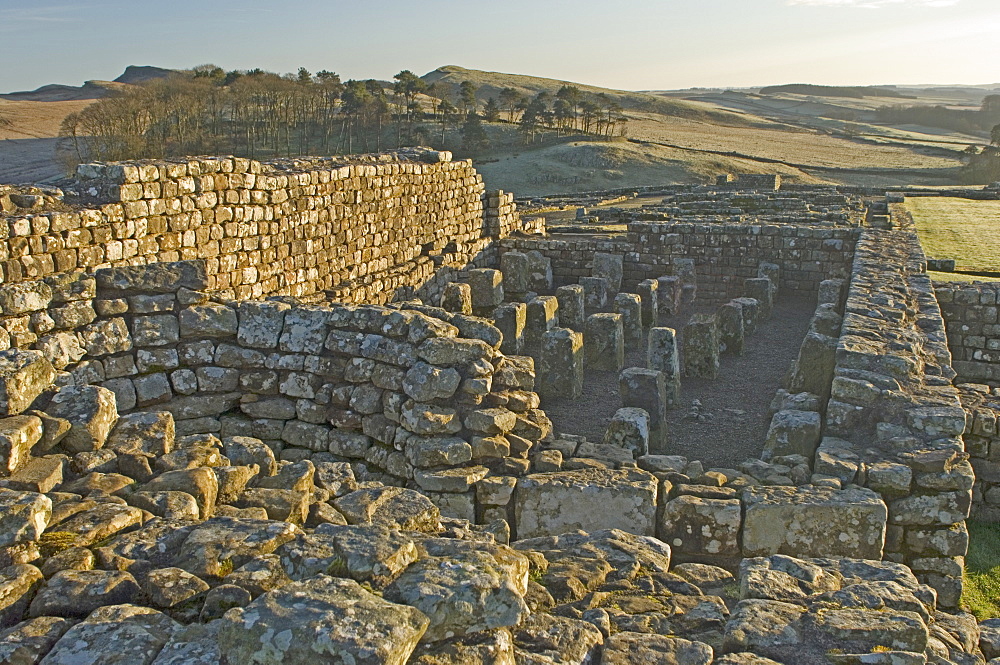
(55, 92)
(490, 84)
(831, 91)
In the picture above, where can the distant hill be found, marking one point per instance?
(491, 83)
(91, 89)
(856, 92)
(141, 73)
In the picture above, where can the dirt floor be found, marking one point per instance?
(733, 412)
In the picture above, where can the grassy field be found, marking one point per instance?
(981, 594)
(960, 229)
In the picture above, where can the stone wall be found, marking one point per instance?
(970, 315)
(894, 422)
(724, 254)
(982, 442)
(404, 394)
(367, 230)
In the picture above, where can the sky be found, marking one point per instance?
(626, 44)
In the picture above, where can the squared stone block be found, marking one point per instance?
(813, 521)
(549, 504)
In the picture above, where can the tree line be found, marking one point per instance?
(957, 120)
(260, 114)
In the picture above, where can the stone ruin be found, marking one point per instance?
(294, 413)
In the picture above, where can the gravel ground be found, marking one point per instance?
(733, 407)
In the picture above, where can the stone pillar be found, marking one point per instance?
(772, 271)
(730, 318)
(571, 306)
(645, 389)
(604, 342)
(595, 293)
(701, 347)
(542, 316)
(684, 269)
(669, 290)
(629, 306)
(560, 366)
(760, 288)
(649, 293)
(611, 267)
(516, 274)
(457, 298)
(831, 291)
(661, 355)
(539, 271)
(487, 290)
(629, 429)
(751, 314)
(510, 319)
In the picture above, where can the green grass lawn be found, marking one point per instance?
(981, 594)
(961, 229)
(958, 277)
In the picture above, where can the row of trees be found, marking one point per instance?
(259, 114)
(983, 166)
(957, 120)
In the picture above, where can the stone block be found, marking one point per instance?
(669, 291)
(542, 315)
(629, 307)
(649, 294)
(486, 288)
(604, 342)
(260, 324)
(560, 364)
(164, 277)
(629, 429)
(540, 272)
(697, 527)
(731, 329)
(646, 389)
(701, 347)
(23, 516)
(457, 298)
(759, 288)
(91, 412)
(511, 319)
(793, 432)
(611, 268)
(516, 273)
(812, 521)
(23, 377)
(572, 306)
(662, 355)
(772, 271)
(751, 313)
(549, 504)
(814, 368)
(595, 293)
(18, 434)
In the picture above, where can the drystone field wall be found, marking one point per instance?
(367, 230)
(724, 254)
(971, 316)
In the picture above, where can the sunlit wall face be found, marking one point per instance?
(630, 44)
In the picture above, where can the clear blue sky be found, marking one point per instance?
(629, 44)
